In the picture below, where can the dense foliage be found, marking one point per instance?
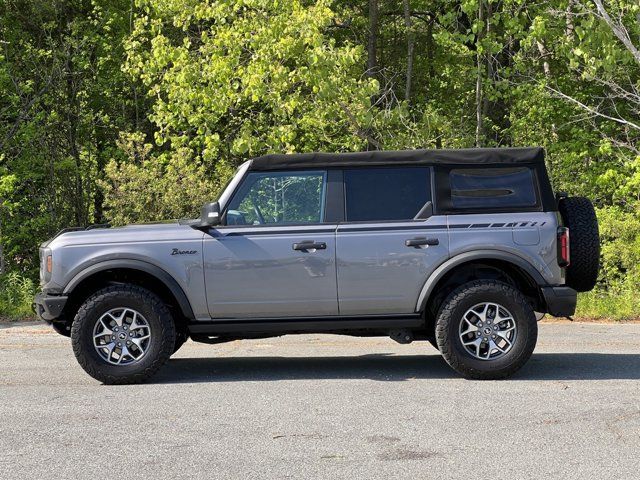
(125, 111)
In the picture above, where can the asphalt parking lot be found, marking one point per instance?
(320, 406)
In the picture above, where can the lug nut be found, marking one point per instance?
(128, 342)
(119, 344)
(113, 337)
(493, 336)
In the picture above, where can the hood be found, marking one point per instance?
(148, 232)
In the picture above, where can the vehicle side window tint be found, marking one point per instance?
(279, 198)
(492, 187)
(373, 194)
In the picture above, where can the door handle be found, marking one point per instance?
(421, 241)
(309, 245)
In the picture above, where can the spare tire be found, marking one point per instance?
(579, 216)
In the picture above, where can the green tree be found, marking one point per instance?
(140, 110)
(64, 100)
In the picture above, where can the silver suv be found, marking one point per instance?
(463, 248)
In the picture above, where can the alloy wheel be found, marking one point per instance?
(487, 331)
(122, 336)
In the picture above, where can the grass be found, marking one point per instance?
(16, 296)
(602, 305)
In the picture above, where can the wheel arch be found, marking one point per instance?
(512, 264)
(133, 271)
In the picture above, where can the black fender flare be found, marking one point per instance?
(476, 255)
(142, 266)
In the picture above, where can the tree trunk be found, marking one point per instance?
(410, 45)
(2, 267)
(372, 47)
(569, 27)
(430, 56)
(98, 196)
(73, 111)
(544, 54)
(480, 65)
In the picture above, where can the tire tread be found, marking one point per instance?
(584, 242)
(446, 316)
(166, 335)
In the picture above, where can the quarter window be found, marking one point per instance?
(374, 194)
(279, 198)
(492, 187)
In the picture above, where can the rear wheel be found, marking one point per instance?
(486, 329)
(123, 334)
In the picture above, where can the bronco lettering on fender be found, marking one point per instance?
(176, 251)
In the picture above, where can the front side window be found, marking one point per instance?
(279, 198)
(379, 194)
(492, 187)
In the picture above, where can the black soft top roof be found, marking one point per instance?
(466, 156)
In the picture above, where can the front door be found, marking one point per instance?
(384, 253)
(275, 256)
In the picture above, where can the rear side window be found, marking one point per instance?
(373, 194)
(492, 188)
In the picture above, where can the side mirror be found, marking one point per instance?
(210, 214)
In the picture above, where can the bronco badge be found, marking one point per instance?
(176, 251)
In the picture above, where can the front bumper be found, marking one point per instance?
(49, 307)
(561, 301)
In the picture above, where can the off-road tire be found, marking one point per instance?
(156, 313)
(450, 316)
(579, 216)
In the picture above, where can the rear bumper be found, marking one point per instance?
(49, 307)
(561, 301)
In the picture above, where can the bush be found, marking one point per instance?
(616, 295)
(148, 188)
(16, 296)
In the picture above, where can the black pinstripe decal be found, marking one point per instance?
(354, 228)
(391, 227)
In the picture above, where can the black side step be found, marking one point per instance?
(306, 324)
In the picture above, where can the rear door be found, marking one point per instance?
(384, 255)
(275, 257)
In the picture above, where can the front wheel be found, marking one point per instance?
(123, 334)
(486, 330)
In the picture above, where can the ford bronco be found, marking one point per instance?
(466, 249)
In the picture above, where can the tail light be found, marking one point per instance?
(564, 253)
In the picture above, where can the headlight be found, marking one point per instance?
(46, 265)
